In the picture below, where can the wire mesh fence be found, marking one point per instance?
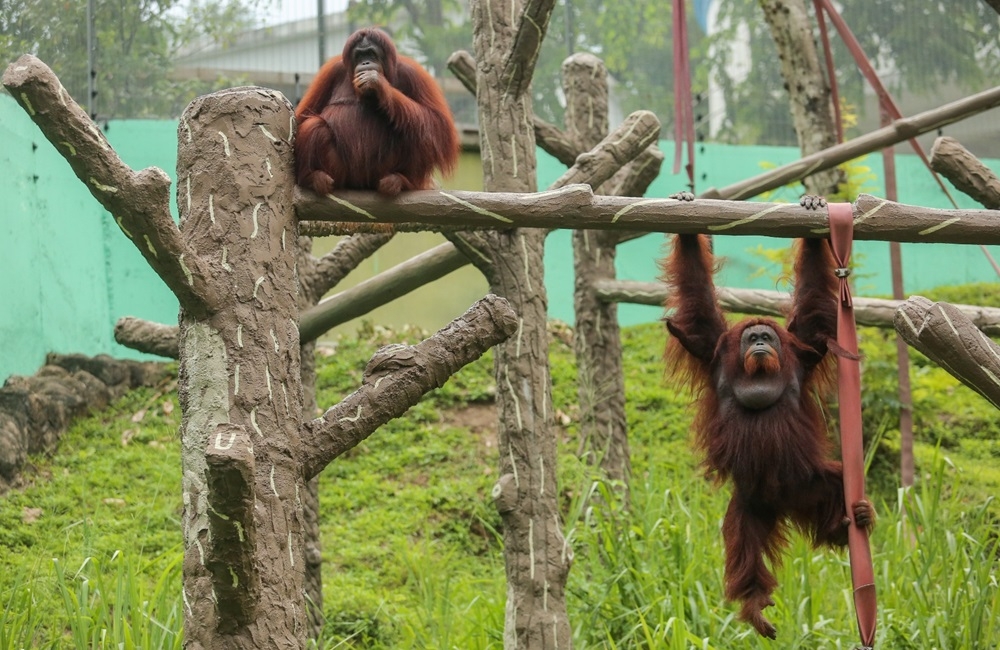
(149, 58)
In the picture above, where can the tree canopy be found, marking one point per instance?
(135, 45)
(917, 45)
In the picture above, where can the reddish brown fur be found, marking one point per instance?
(386, 134)
(753, 363)
(779, 457)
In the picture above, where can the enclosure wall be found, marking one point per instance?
(70, 274)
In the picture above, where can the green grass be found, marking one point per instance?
(411, 543)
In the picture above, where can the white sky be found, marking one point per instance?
(282, 11)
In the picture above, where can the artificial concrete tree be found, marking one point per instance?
(597, 336)
(597, 342)
(315, 277)
(507, 35)
(239, 384)
(247, 454)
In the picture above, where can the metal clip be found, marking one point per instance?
(841, 272)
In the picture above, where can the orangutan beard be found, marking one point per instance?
(763, 363)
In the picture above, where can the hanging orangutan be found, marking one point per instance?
(760, 420)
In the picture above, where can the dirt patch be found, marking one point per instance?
(480, 419)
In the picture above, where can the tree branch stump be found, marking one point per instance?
(966, 172)
(951, 340)
(399, 375)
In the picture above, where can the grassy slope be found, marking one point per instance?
(410, 538)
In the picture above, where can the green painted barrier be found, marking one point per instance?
(71, 273)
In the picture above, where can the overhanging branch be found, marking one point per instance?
(146, 336)
(951, 340)
(379, 290)
(638, 131)
(966, 172)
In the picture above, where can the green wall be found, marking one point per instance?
(71, 273)
(924, 265)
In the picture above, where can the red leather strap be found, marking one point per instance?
(852, 444)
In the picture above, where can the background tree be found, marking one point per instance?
(809, 93)
(431, 29)
(135, 45)
(917, 45)
(632, 38)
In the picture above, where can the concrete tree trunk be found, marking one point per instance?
(597, 336)
(508, 34)
(239, 384)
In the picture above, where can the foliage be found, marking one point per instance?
(411, 538)
(629, 36)
(984, 294)
(632, 38)
(93, 544)
(135, 44)
(922, 47)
